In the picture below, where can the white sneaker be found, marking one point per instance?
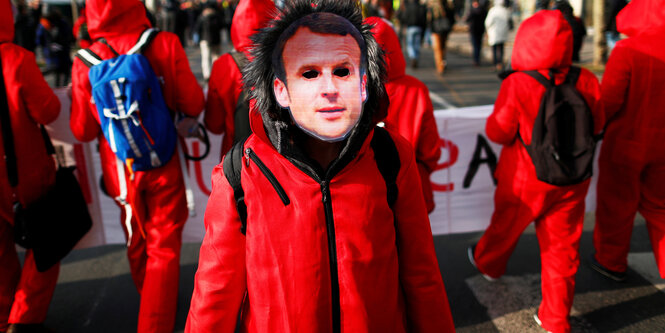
(469, 253)
(540, 323)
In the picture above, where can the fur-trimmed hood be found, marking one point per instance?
(258, 77)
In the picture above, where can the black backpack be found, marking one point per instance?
(562, 142)
(241, 115)
(385, 154)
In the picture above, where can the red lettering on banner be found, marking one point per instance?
(198, 172)
(453, 153)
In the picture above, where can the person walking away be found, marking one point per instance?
(297, 250)
(413, 15)
(208, 26)
(25, 293)
(476, 21)
(521, 197)
(55, 38)
(411, 113)
(152, 200)
(498, 25)
(576, 24)
(27, 21)
(612, 9)
(223, 105)
(440, 18)
(632, 158)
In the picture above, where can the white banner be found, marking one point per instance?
(463, 183)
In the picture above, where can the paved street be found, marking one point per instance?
(95, 292)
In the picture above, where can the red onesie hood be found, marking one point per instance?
(113, 18)
(543, 41)
(6, 22)
(386, 37)
(249, 16)
(642, 17)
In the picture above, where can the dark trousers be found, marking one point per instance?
(497, 52)
(476, 42)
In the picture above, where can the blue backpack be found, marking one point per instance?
(133, 115)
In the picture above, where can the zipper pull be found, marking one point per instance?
(247, 152)
(324, 191)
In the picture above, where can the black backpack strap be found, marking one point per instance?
(88, 57)
(232, 167)
(7, 133)
(240, 59)
(540, 78)
(144, 41)
(387, 160)
(573, 74)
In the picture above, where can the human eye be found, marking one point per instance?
(341, 72)
(310, 74)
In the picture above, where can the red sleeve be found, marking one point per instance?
(503, 123)
(616, 79)
(189, 95)
(223, 90)
(42, 104)
(427, 151)
(220, 282)
(84, 125)
(425, 296)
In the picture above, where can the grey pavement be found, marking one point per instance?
(95, 292)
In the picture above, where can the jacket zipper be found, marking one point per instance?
(332, 253)
(269, 175)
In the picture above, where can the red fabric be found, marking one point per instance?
(632, 157)
(282, 265)
(520, 197)
(25, 293)
(225, 82)
(157, 195)
(411, 113)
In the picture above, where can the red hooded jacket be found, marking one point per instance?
(411, 113)
(546, 43)
(632, 84)
(281, 270)
(225, 82)
(121, 22)
(31, 102)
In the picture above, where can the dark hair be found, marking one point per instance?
(259, 74)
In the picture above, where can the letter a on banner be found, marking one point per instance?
(477, 160)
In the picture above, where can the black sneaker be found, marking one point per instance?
(613, 275)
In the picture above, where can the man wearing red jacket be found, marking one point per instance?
(632, 158)
(225, 82)
(411, 113)
(323, 250)
(25, 293)
(156, 197)
(543, 42)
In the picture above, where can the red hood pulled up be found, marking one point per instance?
(386, 37)
(113, 18)
(543, 41)
(642, 17)
(250, 15)
(6, 21)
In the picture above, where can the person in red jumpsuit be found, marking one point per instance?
(323, 250)
(543, 42)
(631, 164)
(225, 82)
(411, 113)
(157, 212)
(25, 293)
